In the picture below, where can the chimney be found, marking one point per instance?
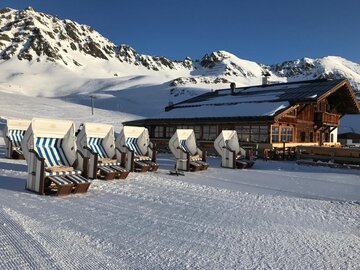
(232, 88)
(265, 78)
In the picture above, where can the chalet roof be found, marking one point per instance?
(260, 102)
(294, 92)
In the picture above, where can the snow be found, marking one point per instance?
(275, 215)
(230, 110)
(218, 219)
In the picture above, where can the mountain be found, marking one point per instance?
(43, 55)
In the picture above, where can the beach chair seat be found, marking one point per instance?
(112, 165)
(62, 172)
(58, 185)
(81, 184)
(153, 166)
(197, 159)
(240, 164)
(203, 164)
(108, 162)
(195, 166)
(144, 164)
(243, 163)
(107, 173)
(122, 172)
(141, 166)
(57, 166)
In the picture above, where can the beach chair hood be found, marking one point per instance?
(135, 138)
(99, 138)
(185, 140)
(15, 130)
(53, 140)
(227, 139)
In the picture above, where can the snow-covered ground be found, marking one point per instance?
(260, 218)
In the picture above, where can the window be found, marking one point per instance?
(282, 134)
(331, 137)
(286, 134)
(197, 130)
(302, 136)
(159, 132)
(264, 134)
(169, 131)
(243, 133)
(254, 134)
(209, 132)
(275, 134)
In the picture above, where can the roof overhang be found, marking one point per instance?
(351, 105)
(205, 120)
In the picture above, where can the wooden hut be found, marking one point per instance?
(264, 116)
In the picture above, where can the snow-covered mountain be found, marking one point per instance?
(42, 55)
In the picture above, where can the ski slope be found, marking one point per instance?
(277, 215)
(217, 219)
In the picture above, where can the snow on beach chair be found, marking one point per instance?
(13, 135)
(135, 145)
(188, 156)
(232, 155)
(97, 142)
(54, 164)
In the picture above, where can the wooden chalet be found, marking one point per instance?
(265, 116)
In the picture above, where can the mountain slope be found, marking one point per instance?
(42, 55)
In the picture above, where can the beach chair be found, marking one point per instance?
(232, 155)
(97, 142)
(135, 145)
(54, 164)
(188, 156)
(13, 135)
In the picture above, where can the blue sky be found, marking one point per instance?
(264, 31)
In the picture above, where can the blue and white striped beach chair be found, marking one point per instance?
(14, 133)
(232, 155)
(54, 164)
(97, 142)
(135, 144)
(188, 156)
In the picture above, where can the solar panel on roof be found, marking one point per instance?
(290, 92)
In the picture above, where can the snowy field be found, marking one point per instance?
(277, 215)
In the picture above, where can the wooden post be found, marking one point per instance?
(283, 157)
(92, 104)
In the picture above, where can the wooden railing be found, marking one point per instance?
(324, 118)
(326, 154)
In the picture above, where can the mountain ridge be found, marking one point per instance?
(34, 39)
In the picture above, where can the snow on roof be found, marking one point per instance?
(291, 92)
(231, 110)
(263, 100)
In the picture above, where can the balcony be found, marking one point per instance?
(326, 119)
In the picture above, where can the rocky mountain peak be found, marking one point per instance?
(35, 37)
